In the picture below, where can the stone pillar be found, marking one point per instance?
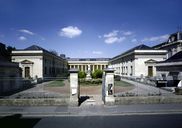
(81, 68)
(74, 87)
(108, 86)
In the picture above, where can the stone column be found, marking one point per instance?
(74, 87)
(81, 68)
(108, 86)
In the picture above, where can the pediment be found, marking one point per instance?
(26, 62)
(150, 61)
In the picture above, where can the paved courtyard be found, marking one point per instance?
(94, 92)
(143, 90)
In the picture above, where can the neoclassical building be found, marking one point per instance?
(38, 62)
(173, 45)
(138, 61)
(173, 65)
(84, 63)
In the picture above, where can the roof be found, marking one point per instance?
(175, 58)
(35, 47)
(174, 37)
(88, 59)
(139, 47)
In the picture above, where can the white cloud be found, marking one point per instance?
(134, 40)
(112, 40)
(127, 33)
(113, 37)
(97, 52)
(156, 38)
(70, 32)
(26, 31)
(22, 38)
(111, 34)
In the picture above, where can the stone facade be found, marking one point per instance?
(170, 68)
(37, 62)
(137, 62)
(83, 64)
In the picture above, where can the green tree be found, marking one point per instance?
(97, 74)
(81, 74)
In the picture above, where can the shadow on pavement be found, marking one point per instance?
(16, 121)
(82, 99)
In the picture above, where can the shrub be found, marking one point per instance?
(97, 74)
(81, 74)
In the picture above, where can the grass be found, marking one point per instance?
(56, 83)
(93, 82)
(122, 84)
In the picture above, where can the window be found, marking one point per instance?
(131, 71)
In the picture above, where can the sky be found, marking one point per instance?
(88, 28)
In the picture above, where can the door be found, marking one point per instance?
(150, 71)
(27, 72)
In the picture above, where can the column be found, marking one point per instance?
(74, 87)
(108, 86)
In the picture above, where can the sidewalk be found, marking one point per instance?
(92, 110)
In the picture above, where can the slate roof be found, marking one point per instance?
(175, 58)
(35, 47)
(139, 47)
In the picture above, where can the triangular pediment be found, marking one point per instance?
(26, 62)
(150, 61)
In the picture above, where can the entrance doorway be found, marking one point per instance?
(150, 71)
(27, 72)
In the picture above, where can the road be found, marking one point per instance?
(120, 121)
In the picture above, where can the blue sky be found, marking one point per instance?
(88, 28)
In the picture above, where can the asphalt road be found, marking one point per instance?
(132, 121)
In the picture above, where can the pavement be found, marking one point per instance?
(145, 90)
(91, 110)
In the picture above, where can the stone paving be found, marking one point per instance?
(143, 90)
(40, 91)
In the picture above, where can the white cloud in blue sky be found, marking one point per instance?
(70, 32)
(26, 31)
(114, 37)
(22, 38)
(127, 33)
(156, 38)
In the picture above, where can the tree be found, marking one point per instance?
(97, 74)
(81, 74)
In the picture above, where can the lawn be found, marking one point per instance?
(56, 83)
(122, 84)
